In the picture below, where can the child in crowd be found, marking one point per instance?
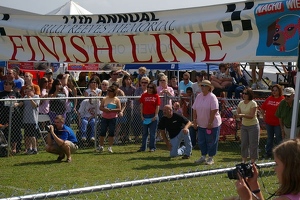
(176, 107)
(30, 119)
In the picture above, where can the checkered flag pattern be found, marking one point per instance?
(236, 16)
(2, 30)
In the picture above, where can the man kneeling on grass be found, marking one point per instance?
(61, 139)
(178, 129)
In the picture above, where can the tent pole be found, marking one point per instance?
(296, 99)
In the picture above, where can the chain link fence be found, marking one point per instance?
(20, 119)
(128, 131)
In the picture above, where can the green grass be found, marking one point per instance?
(29, 174)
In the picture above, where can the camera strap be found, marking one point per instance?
(263, 184)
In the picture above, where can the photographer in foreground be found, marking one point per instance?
(287, 159)
(61, 139)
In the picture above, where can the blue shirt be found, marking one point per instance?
(66, 134)
(18, 84)
(182, 86)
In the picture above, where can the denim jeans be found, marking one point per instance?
(184, 150)
(273, 131)
(84, 126)
(236, 89)
(149, 128)
(208, 143)
(193, 135)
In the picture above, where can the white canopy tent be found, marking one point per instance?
(70, 8)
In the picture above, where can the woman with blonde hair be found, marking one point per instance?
(137, 120)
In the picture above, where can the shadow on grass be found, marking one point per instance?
(48, 162)
(166, 166)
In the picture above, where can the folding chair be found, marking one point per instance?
(43, 133)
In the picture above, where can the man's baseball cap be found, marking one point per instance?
(48, 71)
(288, 91)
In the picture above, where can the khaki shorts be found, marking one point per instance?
(260, 65)
(73, 147)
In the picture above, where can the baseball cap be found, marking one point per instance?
(48, 71)
(288, 91)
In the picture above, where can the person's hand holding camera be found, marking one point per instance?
(50, 128)
(242, 188)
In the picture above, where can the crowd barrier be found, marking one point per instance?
(128, 129)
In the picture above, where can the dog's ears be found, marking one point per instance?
(271, 31)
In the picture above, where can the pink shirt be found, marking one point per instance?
(203, 105)
(170, 90)
(292, 196)
(44, 105)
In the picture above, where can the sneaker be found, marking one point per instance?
(254, 86)
(29, 152)
(34, 152)
(152, 150)
(210, 161)
(83, 138)
(100, 149)
(201, 160)
(140, 150)
(109, 149)
(92, 139)
(60, 158)
(185, 157)
(262, 85)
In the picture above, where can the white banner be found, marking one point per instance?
(247, 31)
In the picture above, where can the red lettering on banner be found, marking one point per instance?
(15, 47)
(72, 49)
(191, 54)
(133, 45)
(159, 53)
(64, 48)
(40, 43)
(109, 49)
(80, 49)
(31, 48)
(207, 46)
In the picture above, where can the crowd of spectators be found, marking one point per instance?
(108, 106)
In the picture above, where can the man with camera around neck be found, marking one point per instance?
(61, 139)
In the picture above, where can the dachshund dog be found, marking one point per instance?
(284, 33)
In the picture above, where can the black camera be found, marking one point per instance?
(47, 128)
(245, 171)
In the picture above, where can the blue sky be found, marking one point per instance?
(109, 6)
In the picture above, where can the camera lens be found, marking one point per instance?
(232, 174)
